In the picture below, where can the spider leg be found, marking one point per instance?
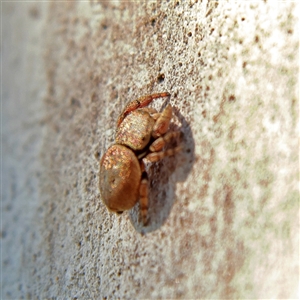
(144, 196)
(160, 142)
(152, 111)
(162, 123)
(156, 156)
(139, 103)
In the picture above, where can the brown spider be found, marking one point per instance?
(141, 135)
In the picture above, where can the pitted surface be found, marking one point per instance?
(223, 214)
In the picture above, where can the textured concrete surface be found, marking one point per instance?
(224, 214)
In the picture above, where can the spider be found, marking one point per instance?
(141, 135)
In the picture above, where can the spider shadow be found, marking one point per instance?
(163, 177)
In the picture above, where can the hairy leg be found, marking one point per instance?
(156, 156)
(144, 196)
(139, 103)
(160, 142)
(162, 123)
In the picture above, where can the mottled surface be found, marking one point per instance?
(224, 216)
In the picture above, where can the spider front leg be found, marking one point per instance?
(139, 103)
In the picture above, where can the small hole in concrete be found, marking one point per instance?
(97, 155)
(161, 78)
(231, 98)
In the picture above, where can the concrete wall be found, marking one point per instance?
(224, 213)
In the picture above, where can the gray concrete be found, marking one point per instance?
(224, 213)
